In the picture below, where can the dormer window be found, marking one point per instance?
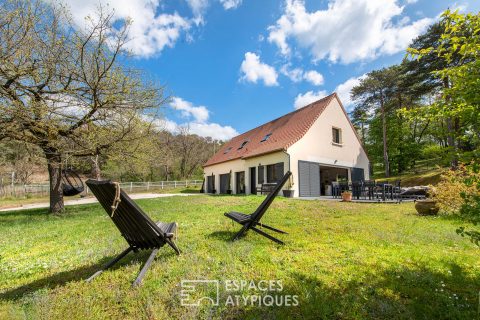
(227, 150)
(243, 144)
(266, 137)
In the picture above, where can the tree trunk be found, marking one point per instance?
(384, 132)
(54, 161)
(451, 131)
(95, 171)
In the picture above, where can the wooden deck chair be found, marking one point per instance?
(251, 221)
(140, 232)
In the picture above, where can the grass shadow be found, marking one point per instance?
(78, 274)
(396, 293)
(190, 190)
(25, 212)
(223, 235)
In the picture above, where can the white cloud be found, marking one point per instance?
(149, 33)
(308, 97)
(200, 113)
(347, 31)
(213, 130)
(196, 121)
(297, 75)
(254, 70)
(168, 125)
(314, 77)
(343, 90)
(198, 9)
(230, 4)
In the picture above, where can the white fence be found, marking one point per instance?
(131, 187)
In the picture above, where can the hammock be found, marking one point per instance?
(72, 184)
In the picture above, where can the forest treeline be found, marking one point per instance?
(158, 156)
(413, 110)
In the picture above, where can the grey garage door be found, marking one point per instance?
(309, 176)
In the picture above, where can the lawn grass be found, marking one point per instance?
(431, 177)
(342, 260)
(12, 202)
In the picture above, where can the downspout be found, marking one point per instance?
(288, 154)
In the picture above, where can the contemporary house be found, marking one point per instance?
(317, 143)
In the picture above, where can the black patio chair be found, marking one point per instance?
(335, 189)
(357, 189)
(251, 221)
(369, 188)
(397, 190)
(140, 232)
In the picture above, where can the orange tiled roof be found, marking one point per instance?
(285, 131)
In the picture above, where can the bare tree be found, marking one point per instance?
(61, 87)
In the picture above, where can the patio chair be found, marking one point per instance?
(140, 232)
(397, 190)
(369, 187)
(357, 189)
(251, 221)
(335, 189)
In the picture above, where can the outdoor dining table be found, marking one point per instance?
(366, 189)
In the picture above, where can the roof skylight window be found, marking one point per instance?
(243, 144)
(266, 137)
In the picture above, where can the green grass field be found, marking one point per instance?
(342, 260)
(411, 179)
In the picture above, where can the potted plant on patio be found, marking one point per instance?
(288, 192)
(347, 196)
(428, 206)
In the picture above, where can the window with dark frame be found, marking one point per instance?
(275, 172)
(227, 150)
(243, 144)
(266, 137)
(336, 135)
(261, 174)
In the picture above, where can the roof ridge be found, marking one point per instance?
(291, 112)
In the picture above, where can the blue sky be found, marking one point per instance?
(231, 65)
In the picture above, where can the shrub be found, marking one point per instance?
(452, 189)
(459, 193)
(470, 211)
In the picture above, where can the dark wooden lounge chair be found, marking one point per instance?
(251, 221)
(140, 232)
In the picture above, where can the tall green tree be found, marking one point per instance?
(425, 76)
(372, 96)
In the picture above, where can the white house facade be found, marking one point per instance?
(317, 143)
